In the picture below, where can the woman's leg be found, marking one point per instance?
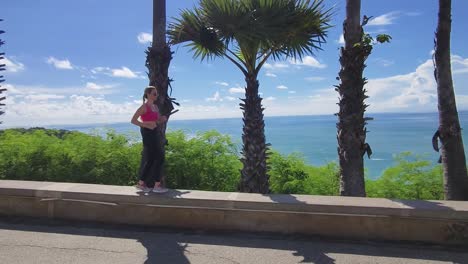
(158, 163)
(147, 156)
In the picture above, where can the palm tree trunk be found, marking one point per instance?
(254, 177)
(351, 131)
(158, 59)
(2, 68)
(449, 132)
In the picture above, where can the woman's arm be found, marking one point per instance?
(141, 110)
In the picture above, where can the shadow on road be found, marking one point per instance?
(172, 246)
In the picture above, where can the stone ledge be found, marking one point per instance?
(444, 222)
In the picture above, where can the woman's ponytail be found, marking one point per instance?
(147, 91)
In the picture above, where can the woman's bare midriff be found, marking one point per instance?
(150, 123)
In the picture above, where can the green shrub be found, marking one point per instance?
(208, 161)
(205, 161)
(411, 178)
(290, 174)
(42, 155)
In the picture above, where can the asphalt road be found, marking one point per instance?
(25, 240)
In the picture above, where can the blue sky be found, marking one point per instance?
(77, 62)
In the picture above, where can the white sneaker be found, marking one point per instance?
(158, 189)
(143, 188)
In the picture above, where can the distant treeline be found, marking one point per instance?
(207, 161)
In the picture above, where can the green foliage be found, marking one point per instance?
(324, 180)
(290, 174)
(383, 38)
(287, 173)
(50, 155)
(412, 178)
(368, 40)
(206, 161)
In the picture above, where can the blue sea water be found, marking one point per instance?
(315, 136)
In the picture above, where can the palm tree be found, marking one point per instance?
(449, 131)
(2, 68)
(351, 128)
(248, 33)
(158, 58)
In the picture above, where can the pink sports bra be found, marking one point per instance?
(149, 115)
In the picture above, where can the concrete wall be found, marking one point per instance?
(441, 222)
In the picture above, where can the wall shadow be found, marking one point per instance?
(165, 245)
(284, 198)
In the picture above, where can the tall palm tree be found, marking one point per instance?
(351, 128)
(158, 58)
(248, 33)
(2, 68)
(449, 131)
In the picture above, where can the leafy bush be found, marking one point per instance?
(42, 155)
(412, 178)
(208, 161)
(290, 174)
(205, 161)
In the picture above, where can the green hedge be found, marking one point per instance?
(206, 161)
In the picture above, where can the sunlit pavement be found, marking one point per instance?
(26, 240)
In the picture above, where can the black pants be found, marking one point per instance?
(152, 157)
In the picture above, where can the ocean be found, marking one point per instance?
(314, 137)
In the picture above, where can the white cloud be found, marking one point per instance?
(25, 90)
(310, 62)
(385, 19)
(216, 98)
(94, 86)
(97, 70)
(292, 92)
(55, 109)
(60, 64)
(222, 83)
(123, 72)
(42, 97)
(411, 92)
(269, 74)
(408, 92)
(200, 111)
(144, 37)
(415, 91)
(12, 66)
(234, 90)
(459, 65)
(281, 87)
(322, 102)
(22, 91)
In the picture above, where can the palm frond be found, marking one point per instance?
(203, 39)
(253, 29)
(229, 16)
(306, 32)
